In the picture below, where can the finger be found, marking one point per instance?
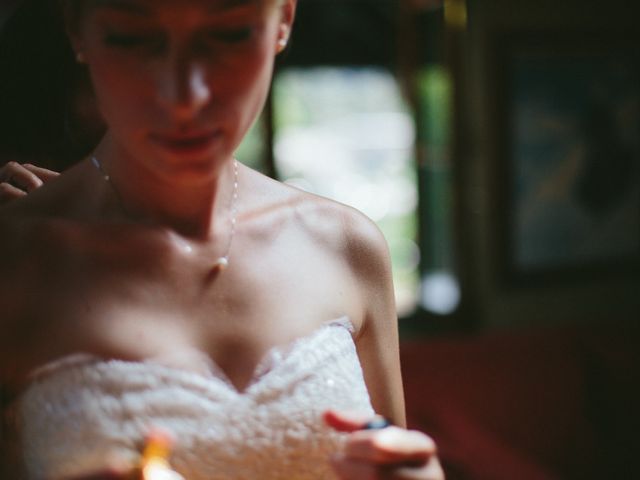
(390, 445)
(425, 472)
(43, 174)
(433, 469)
(346, 421)
(116, 468)
(19, 176)
(350, 469)
(8, 169)
(110, 474)
(9, 192)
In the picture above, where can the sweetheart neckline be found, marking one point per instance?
(261, 371)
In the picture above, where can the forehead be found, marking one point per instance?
(144, 7)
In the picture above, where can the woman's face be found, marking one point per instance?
(179, 82)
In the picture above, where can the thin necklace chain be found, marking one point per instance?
(221, 262)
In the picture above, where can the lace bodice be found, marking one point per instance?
(81, 410)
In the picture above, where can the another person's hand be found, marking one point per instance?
(389, 453)
(153, 464)
(111, 474)
(18, 179)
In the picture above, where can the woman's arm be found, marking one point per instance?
(377, 339)
(391, 452)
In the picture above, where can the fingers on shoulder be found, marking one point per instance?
(20, 176)
(43, 174)
(9, 192)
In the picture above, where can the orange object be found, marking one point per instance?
(155, 458)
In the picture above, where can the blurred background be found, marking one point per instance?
(497, 145)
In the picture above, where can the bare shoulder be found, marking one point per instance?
(355, 236)
(62, 196)
(32, 230)
(28, 219)
(15, 225)
(32, 226)
(334, 225)
(348, 236)
(23, 234)
(359, 247)
(348, 229)
(15, 269)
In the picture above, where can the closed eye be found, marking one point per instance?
(237, 35)
(127, 41)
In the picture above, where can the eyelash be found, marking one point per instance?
(126, 41)
(238, 35)
(129, 42)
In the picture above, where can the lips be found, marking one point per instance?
(186, 143)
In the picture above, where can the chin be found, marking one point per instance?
(193, 170)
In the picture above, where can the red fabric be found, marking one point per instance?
(535, 405)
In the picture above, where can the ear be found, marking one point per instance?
(288, 11)
(71, 26)
(287, 15)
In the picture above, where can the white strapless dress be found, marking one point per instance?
(81, 410)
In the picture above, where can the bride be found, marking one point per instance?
(162, 284)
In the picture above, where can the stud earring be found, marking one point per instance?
(282, 44)
(284, 38)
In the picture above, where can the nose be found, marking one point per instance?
(183, 89)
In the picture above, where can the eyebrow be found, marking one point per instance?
(228, 4)
(128, 6)
(131, 6)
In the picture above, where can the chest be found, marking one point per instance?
(125, 296)
(272, 430)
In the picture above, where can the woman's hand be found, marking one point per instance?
(389, 453)
(18, 179)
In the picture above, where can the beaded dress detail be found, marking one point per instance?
(80, 410)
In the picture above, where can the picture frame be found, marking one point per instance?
(568, 167)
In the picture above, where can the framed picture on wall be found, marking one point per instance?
(569, 166)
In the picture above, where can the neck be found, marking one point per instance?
(196, 209)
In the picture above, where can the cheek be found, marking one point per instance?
(239, 66)
(249, 71)
(246, 95)
(121, 92)
(250, 79)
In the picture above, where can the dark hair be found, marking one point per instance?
(37, 87)
(72, 10)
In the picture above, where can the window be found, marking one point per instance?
(440, 292)
(346, 134)
(337, 124)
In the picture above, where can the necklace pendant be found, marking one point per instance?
(221, 263)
